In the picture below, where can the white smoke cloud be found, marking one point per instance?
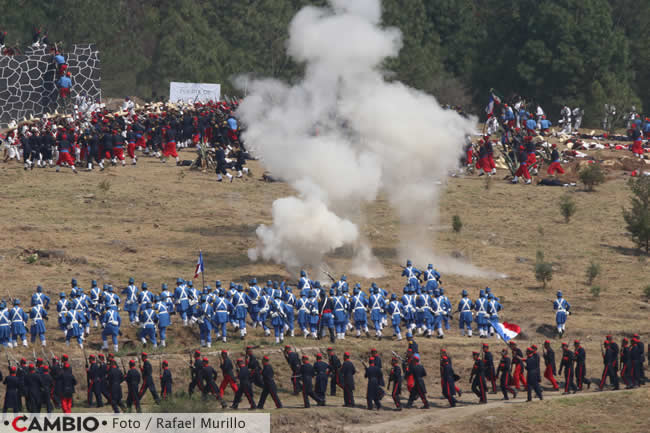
(343, 135)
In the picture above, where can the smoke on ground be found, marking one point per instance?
(345, 133)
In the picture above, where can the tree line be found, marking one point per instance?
(576, 52)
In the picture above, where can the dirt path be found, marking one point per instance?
(417, 419)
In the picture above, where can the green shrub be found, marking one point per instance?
(456, 224)
(591, 176)
(595, 291)
(593, 270)
(567, 207)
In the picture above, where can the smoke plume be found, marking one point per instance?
(344, 134)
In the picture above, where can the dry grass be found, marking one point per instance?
(149, 225)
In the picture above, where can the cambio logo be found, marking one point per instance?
(58, 424)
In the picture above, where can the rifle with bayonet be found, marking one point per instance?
(329, 275)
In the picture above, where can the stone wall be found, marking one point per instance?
(27, 81)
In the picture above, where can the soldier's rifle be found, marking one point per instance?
(329, 275)
(45, 357)
(123, 367)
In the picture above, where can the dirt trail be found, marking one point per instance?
(435, 418)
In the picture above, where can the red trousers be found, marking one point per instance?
(548, 373)
(141, 142)
(555, 166)
(130, 149)
(523, 171)
(484, 164)
(532, 159)
(170, 149)
(65, 157)
(66, 404)
(518, 376)
(637, 148)
(469, 155)
(64, 92)
(490, 159)
(118, 152)
(227, 380)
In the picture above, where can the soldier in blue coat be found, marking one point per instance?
(265, 306)
(148, 319)
(167, 298)
(408, 302)
(74, 327)
(222, 308)
(290, 301)
(18, 324)
(278, 310)
(162, 312)
(438, 308)
(304, 309)
(62, 307)
(448, 308)
(358, 308)
(482, 321)
(131, 293)
(203, 315)
(412, 274)
(395, 309)
(111, 323)
(37, 315)
(5, 325)
(182, 300)
(240, 301)
(255, 294)
(95, 298)
(562, 310)
(377, 305)
(341, 307)
(40, 298)
(110, 298)
(493, 309)
(304, 284)
(314, 314)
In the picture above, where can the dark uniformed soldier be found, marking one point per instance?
(269, 385)
(95, 381)
(490, 373)
(294, 364)
(418, 373)
(132, 384)
(254, 367)
(113, 382)
(12, 395)
(321, 369)
(56, 372)
(245, 387)
(567, 365)
(228, 375)
(207, 378)
(610, 365)
(395, 378)
(477, 378)
(549, 363)
(147, 379)
(47, 386)
(581, 366)
(335, 368)
(68, 382)
(306, 373)
(195, 368)
(105, 368)
(375, 382)
(505, 371)
(347, 378)
(532, 374)
(447, 380)
(32, 390)
(165, 380)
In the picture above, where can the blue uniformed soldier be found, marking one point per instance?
(562, 310)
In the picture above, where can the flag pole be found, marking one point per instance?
(202, 270)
